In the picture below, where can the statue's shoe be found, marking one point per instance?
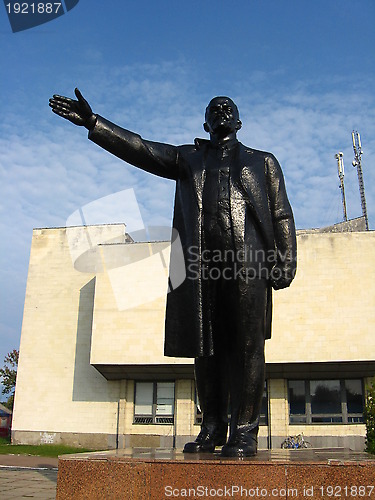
(241, 446)
(206, 441)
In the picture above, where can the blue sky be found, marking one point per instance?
(302, 74)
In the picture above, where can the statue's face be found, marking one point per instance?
(222, 117)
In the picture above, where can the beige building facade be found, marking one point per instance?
(91, 363)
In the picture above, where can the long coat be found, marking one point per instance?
(259, 176)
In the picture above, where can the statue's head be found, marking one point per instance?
(222, 117)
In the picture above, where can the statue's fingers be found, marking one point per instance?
(62, 99)
(59, 112)
(62, 110)
(84, 105)
(53, 102)
(58, 105)
(79, 96)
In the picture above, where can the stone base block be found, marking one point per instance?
(156, 473)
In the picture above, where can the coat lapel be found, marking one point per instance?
(198, 170)
(253, 181)
(251, 177)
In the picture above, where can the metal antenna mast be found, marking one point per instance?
(357, 163)
(340, 169)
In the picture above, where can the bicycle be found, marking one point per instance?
(295, 442)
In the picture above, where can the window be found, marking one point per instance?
(354, 400)
(325, 401)
(154, 403)
(297, 401)
(3, 422)
(263, 418)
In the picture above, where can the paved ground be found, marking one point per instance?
(27, 477)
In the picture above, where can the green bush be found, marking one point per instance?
(369, 417)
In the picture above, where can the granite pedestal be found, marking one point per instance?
(156, 473)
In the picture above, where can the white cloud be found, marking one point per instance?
(305, 131)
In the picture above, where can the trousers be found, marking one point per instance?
(232, 380)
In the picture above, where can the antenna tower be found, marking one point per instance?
(340, 170)
(357, 163)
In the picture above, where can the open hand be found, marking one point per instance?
(280, 278)
(78, 112)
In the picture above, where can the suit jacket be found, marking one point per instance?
(261, 180)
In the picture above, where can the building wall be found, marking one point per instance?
(83, 308)
(317, 319)
(129, 307)
(328, 312)
(70, 400)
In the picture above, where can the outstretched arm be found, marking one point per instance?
(156, 158)
(78, 112)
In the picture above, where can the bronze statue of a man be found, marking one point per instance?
(237, 232)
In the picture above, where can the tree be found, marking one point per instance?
(369, 417)
(8, 375)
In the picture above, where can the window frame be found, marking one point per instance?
(154, 418)
(347, 418)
